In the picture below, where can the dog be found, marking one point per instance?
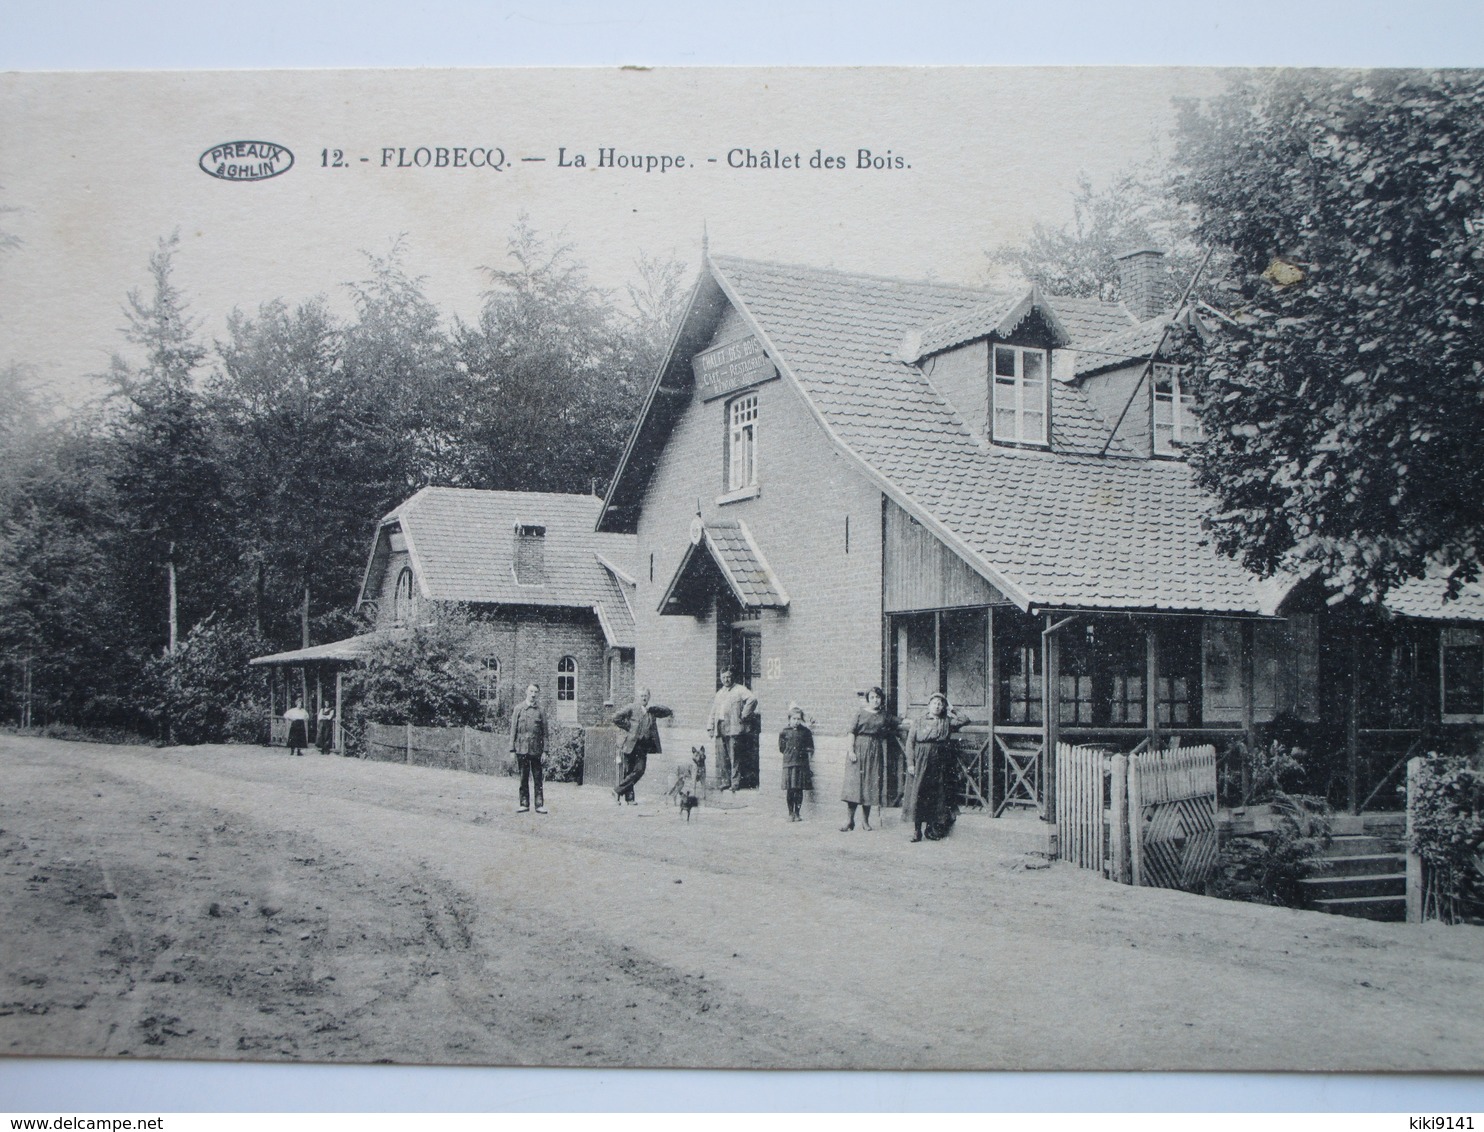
(689, 786)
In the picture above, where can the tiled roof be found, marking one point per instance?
(1131, 343)
(462, 545)
(964, 326)
(1426, 598)
(1055, 528)
(744, 566)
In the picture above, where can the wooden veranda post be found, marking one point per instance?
(339, 697)
(1352, 724)
(1249, 682)
(1151, 686)
(1050, 666)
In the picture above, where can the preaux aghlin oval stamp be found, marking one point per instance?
(246, 160)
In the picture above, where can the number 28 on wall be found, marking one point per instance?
(773, 668)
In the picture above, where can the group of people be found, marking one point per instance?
(927, 796)
(297, 717)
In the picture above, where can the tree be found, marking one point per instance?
(1136, 209)
(1344, 416)
(552, 388)
(166, 472)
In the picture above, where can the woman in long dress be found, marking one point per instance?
(298, 721)
(926, 801)
(872, 730)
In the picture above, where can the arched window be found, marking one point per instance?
(566, 685)
(404, 604)
(489, 682)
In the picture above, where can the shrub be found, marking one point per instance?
(196, 691)
(426, 677)
(1448, 834)
(1266, 868)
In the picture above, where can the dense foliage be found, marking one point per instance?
(1345, 405)
(1448, 834)
(1266, 868)
(245, 476)
(426, 676)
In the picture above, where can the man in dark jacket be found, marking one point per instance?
(528, 745)
(642, 740)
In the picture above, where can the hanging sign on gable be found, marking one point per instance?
(731, 366)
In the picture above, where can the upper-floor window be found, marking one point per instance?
(1176, 423)
(530, 554)
(404, 602)
(1019, 391)
(742, 443)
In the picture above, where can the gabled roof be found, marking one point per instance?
(1000, 316)
(1059, 528)
(462, 544)
(728, 546)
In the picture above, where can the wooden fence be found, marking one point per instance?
(452, 748)
(1144, 819)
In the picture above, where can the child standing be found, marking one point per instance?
(796, 743)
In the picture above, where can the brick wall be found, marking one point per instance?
(530, 644)
(827, 645)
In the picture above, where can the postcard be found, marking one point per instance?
(860, 568)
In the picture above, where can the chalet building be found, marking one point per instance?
(840, 480)
(551, 597)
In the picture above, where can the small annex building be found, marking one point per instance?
(841, 480)
(551, 597)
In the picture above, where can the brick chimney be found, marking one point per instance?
(1144, 282)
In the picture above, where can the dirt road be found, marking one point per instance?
(232, 902)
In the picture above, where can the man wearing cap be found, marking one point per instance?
(528, 745)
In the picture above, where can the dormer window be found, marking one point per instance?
(1176, 423)
(530, 555)
(1020, 394)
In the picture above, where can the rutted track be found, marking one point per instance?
(231, 902)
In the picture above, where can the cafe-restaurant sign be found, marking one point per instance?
(732, 366)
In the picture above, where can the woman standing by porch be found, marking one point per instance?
(926, 800)
(872, 730)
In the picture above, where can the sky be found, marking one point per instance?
(97, 167)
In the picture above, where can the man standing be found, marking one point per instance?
(732, 713)
(528, 745)
(642, 740)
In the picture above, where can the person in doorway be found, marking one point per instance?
(865, 766)
(298, 721)
(733, 713)
(926, 803)
(326, 737)
(641, 740)
(528, 745)
(796, 744)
